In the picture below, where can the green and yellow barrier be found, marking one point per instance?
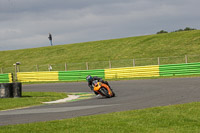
(179, 69)
(132, 72)
(114, 73)
(6, 78)
(58, 75)
(37, 76)
(79, 75)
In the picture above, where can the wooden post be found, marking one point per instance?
(158, 60)
(87, 66)
(186, 59)
(65, 66)
(133, 62)
(110, 65)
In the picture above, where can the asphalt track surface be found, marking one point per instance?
(130, 95)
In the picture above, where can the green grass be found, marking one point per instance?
(177, 118)
(30, 99)
(184, 118)
(150, 46)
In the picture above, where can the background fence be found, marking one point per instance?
(104, 64)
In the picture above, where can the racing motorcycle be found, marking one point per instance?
(103, 89)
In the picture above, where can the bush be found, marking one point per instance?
(162, 31)
(179, 30)
(186, 29)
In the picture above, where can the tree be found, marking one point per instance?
(188, 29)
(179, 30)
(162, 31)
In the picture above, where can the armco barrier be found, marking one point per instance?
(37, 76)
(131, 72)
(179, 69)
(114, 73)
(58, 75)
(79, 75)
(6, 78)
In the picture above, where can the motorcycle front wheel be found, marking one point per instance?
(113, 94)
(104, 91)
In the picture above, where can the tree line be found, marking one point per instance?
(179, 30)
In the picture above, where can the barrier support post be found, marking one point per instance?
(37, 69)
(186, 59)
(65, 66)
(133, 62)
(87, 66)
(158, 60)
(110, 65)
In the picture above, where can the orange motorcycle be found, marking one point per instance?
(103, 89)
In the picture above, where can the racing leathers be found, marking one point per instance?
(99, 80)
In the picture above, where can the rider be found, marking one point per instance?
(90, 79)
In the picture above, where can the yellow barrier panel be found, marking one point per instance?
(132, 72)
(10, 78)
(37, 76)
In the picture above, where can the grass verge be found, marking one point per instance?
(183, 118)
(29, 99)
(121, 52)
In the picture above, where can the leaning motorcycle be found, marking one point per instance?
(103, 89)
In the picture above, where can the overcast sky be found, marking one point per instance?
(27, 23)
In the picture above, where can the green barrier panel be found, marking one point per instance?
(5, 78)
(179, 69)
(79, 75)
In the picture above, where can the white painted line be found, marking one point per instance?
(69, 98)
(50, 110)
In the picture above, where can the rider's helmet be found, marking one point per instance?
(88, 78)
